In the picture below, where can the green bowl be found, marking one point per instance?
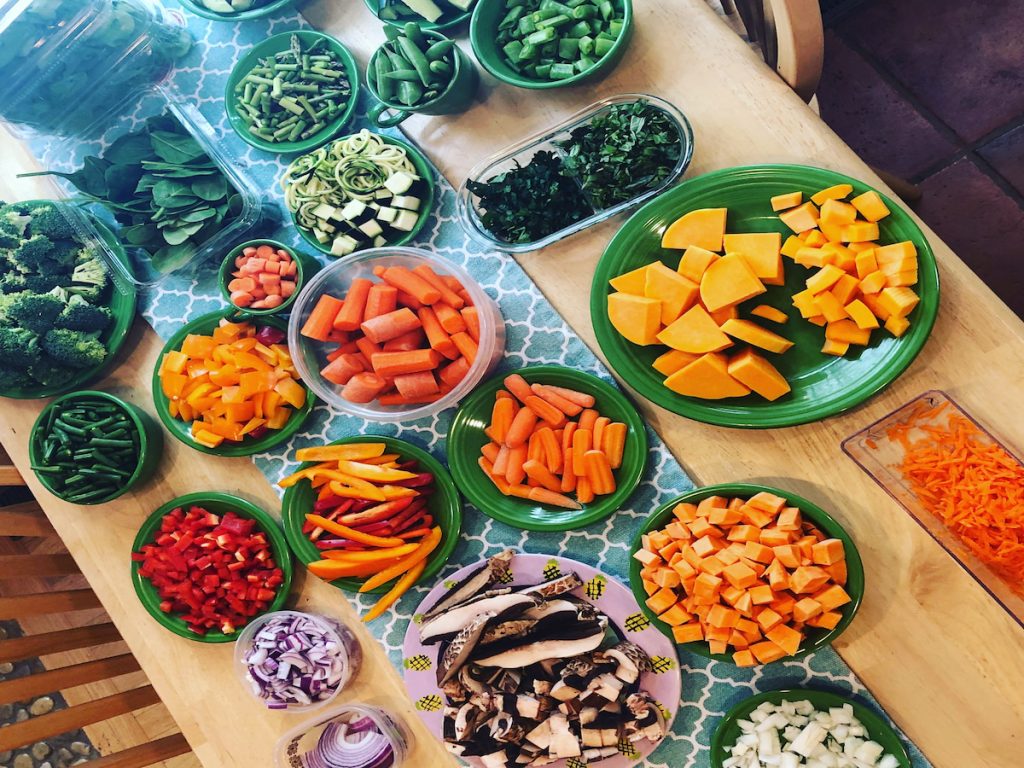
(822, 385)
(483, 35)
(816, 638)
(121, 305)
(151, 443)
(307, 267)
(466, 437)
(444, 504)
(268, 47)
(728, 731)
(423, 169)
(181, 429)
(218, 503)
(451, 17)
(197, 7)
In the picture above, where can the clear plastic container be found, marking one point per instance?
(292, 748)
(67, 63)
(522, 152)
(310, 356)
(881, 457)
(349, 650)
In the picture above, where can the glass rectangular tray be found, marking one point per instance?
(880, 457)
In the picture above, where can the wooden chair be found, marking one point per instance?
(791, 38)
(39, 586)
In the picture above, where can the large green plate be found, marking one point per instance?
(466, 437)
(823, 385)
(816, 638)
(444, 504)
(878, 729)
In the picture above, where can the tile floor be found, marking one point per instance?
(933, 90)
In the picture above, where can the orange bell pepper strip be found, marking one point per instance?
(348, 451)
(352, 534)
(329, 570)
(403, 585)
(422, 552)
(370, 555)
(374, 472)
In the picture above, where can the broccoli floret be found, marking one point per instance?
(6, 300)
(43, 283)
(74, 348)
(11, 378)
(80, 315)
(49, 221)
(33, 254)
(89, 278)
(47, 372)
(19, 348)
(15, 282)
(9, 235)
(35, 311)
(16, 217)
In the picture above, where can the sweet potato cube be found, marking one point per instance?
(706, 505)
(837, 571)
(805, 579)
(740, 575)
(801, 218)
(669, 550)
(672, 361)
(675, 616)
(762, 251)
(832, 597)
(646, 557)
(685, 512)
(870, 205)
(774, 537)
(675, 292)
(632, 282)
(785, 637)
(745, 605)
(721, 617)
(767, 618)
(667, 578)
(738, 640)
(707, 585)
(778, 576)
(767, 651)
(659, 539)
(762, 594)
(826, 620)
(661, 600)
(788, 555)
(758, 552)
(724, 517)
(786, 200)
(650, 587)
(688, 633)
(789, 519)
(827, 552)
(728, 556)
(707, 545)
(701, 527)
(712, 565)
(806, 609)
(744, 533)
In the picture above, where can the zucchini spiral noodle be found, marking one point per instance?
(352, 168)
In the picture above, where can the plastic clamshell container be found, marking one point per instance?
(310, 356)
(348, 649)
(523, 152)
(294, 745)
(142, 269)
(67, 63)
(880, 457)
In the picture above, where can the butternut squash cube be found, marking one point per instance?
(769, 313)
(801, 218)
(754, 371)
(767, 652)
(672, 361)
(791, 246)
(837, 348)
(832, 231)
(840, 255)
(695, 332)
(704, 228)
(899, 302)
(787, 200)
(860, 231)
(847, 331)
(837, 192)
(861, 315)
(727, 282)
(873, 283)
(845, 289)
(688, 633)
(661, 600)
(811, 257)
(895, 252)
(804, 301)
(871, 299)
(675, 292)
(762, 250)
(897, 326)
(636, 318)
(836, 212)
(866, 263)
(815, 239)
(695, 262)
(858, 247)
(729, 313)
(631, 282)
(824, 279)
(752, 333)
(870, 205)
(830, 307)
(902, 279)
(706, 377)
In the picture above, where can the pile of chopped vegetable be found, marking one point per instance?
(439, 12)
(969, 482)
(214, 572)
(374, 506)
(264, 277)
(413, 67)
(54, 296)
(293, 94)
(351, 740)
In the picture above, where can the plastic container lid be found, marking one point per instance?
(348, 650)
(294, 745)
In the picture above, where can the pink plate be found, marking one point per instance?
(609, 596)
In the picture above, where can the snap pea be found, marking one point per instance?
(413, 67)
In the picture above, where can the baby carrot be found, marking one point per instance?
(587, 419)
(488, 468)
(584, 493)
(552, 448)
(536, 471)
(580, 445)
(407, 342)
(614, 443)
(351, 315)
(418, 384)
(501, 461)
(568, 407)
(568, 475)
(520, 491)
(342, 368)
(517, 385)
(450, 319)
(454, 372)
(472, 319)
(599, 426)
(545, 496)
(321, 320)
(545, 410)
(516, 458)
(407, 281)
(535, 448)
(367, 347)
(384, 327)
(599, 473)
(397, 398)
(490, 451)
(380, 300)
(521, 428)
(502, 413)
(581, 398)
(466, 345)
(397, 363)
(437, 336)
(448, 296)
(408, 300)
(364, 388)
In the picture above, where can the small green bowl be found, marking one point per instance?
(197, 7)
(273, 45)
(218, 503)
(816, 638)
(444, 504)
(423, 169)
(483, 35)
(466, 437)
(307, 267)
(181, 429)
(151, 443)
(728, 731)
(451, 17)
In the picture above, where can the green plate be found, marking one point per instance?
(816, 638)
(823, 385)
(182, 429)
(444, 504)
(879, 730)
(466, 437)
(423, 169)
(218, 503)
(269, 47)
(267, 8)
(122, 306)
(307, 266)
(451, 17)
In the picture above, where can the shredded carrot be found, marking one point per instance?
(972, 484)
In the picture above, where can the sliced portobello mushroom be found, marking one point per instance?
(461, 647)
(453, 621)
(586, 638)
(554, 587)
(473, 584)
(631, 661)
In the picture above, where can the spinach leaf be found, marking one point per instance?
(175, 147)
(213, 188)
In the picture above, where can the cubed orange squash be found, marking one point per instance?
(744, 658)
(769, 313)
(762, 594)
(786, 200)
(754, 371)
(767, 651)
(785, 637)
(675, 616)
(752, 333)
(806, 609)
(727, 282)
(848, 332)
(668, 363)
(841, 256)
(804, 301)
(836, 212)
(835, 348)
(704, 228)
(632, 282)
(884, 254)
(828, 551)
(636, 318)
(694, 263)
(824, 278)
(675, 292)
(758, 552)
(650, 587)
(859, 232)
(874, 282)
(788, 555)
(866, 263)
(801, 218)
(861, 315)
(832, 597)
(688, 633)
(870, 205)
(846, 289)
(826, 620)
(706, 377)
(811, 257)
(792, 246)
(707, 585)
(695, 332)
(661, 600)
(762, 251)
(814, 238)
(807, 578)
(829, 307)
(837, 572)
(899, 302)
(740, 575)
(901, 279)
(897, 326)
(768, 618)
(836, 192)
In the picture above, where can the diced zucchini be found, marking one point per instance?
(343, 246)
(371, 228)
(353, 209)
(405, 221)
(408, 202)
(426, 8)
(382, 194)
(380, 241)
(387, 213)
(321, 236)
(325, 211)
(399, 182)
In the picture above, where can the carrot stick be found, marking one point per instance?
(501, 462)
(566, 406)
(599, 426)
(581, 442)
(367, 348)
(490, 451)
(451, 320)
(516, 458)
(404, 584)
(580, 398)
(536, 471)
(397, 363)
(545, 410)
(380, 300)
(545, 496)
(521, 428)
(320, 322)
(371, 555)
(599, 473)
(351, 314)
(517, 385)
(340, 370)
(520, 491)
(448, 296)
(419, 384)
(408, 300)
(499, 482)
(472, 320)
(350, 533)
(587, 419)
(454, 372)
(428, 545)
(584, 493)
(466, 345)
(502, 413)
(384, 327)
(552, 448)
(613, 443)
(364, 388)
(437, 336)
(407, 281)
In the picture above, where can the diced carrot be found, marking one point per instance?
(451, 319)
(407, 281)
(466, 345)
(351, 315)
(321, 320)
(415, 385)
(341, 369)
(397, 363)
(364, 387)
(380, 300)
(448, 296)
(472, 320)
(384, 327)
(455, 371)
(437, 336)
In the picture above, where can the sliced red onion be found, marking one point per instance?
(298, 660)
(357, 742)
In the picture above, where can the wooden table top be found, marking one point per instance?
(943, 658)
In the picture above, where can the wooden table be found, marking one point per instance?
(943, 659)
